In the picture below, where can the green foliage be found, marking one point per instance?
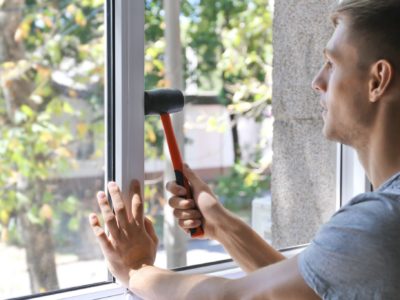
(64, 37)
(154, 137)
(154, 71)
(154, 44)
(241, 186)
(232, 40)
(232, 44)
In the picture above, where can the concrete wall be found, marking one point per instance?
(304, 164)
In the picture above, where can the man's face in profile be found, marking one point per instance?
(343, 87)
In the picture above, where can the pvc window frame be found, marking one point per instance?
(125, 135)
(351, 177)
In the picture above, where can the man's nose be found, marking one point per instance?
(318, 84)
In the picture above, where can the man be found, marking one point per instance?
(356, 255)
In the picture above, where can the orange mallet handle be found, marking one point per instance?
(178, 165)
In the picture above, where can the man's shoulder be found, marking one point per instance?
(372, 219)
(374, 212)
(356, 253)
(384, 203)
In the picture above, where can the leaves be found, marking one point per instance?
(69, 205)
(241, 186)
(63, 59)
(23, 30)
(46, 212)
(4, 217)
(231, 40)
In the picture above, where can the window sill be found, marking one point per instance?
(106, 291)
(114, 291)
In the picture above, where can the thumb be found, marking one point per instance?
(191, 176)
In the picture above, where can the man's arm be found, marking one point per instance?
(130, 251)
(278, 281)
(244, 245)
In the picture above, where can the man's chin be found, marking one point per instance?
(326, 132)
(332, 136)
(329, 134)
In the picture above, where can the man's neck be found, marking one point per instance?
(381, 154)
(379, 171)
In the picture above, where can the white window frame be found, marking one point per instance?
(353, 179)
(124, 118)
(125, 92)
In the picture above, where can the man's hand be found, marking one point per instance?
(132, 241)
(204, 209)
(244, 245)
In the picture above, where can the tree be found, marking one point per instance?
(232, 40)
(52, 58)
(42, 39)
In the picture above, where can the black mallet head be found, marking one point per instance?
(161, 101)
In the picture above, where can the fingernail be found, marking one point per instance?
(112, 184)
(101, 195)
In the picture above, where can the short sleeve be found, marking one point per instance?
(355, 255)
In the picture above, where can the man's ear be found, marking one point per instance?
(381, 76)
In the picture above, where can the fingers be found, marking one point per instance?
(99, 233)
(150, 230)
(175, 188)
(192, 176)
(108, 215)
(188, 219)
(187, 214)
(118, 205)
(180, 203)
(188, 224)
(137, 203)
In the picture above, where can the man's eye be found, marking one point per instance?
(328, 64)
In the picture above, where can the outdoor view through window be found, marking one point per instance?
(52, 158)
(223, 65)
(51, 143)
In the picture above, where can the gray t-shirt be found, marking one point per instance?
(356, 255)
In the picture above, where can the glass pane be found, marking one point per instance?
(51, 143)
(227, 54)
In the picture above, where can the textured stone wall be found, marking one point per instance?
(304, 163)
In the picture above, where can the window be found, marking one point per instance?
(221, 58)
(51, 147)
(354, 180)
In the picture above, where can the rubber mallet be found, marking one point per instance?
(163, 102)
